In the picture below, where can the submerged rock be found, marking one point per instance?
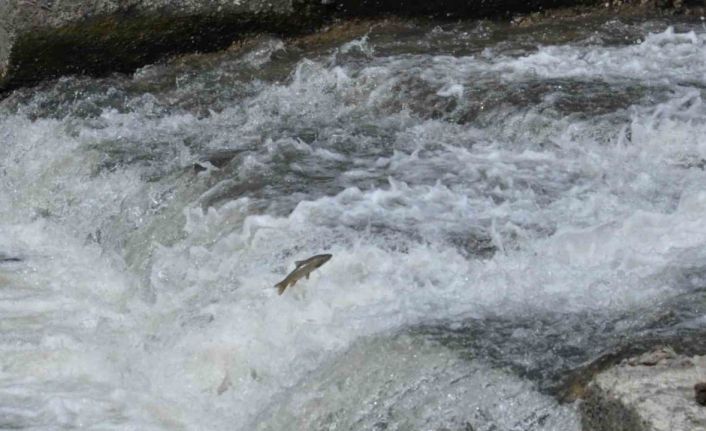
(403, 382)
(650, 392)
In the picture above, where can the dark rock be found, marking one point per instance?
(221, 158)
(43, 39)
(653, 357)
(40, 40)
(199, 167)
(700, 393)
(450, 8)
(5, 258)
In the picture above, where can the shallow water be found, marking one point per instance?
(501, 204)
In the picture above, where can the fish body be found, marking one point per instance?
(303, 269)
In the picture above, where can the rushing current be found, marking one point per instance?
(502, 204)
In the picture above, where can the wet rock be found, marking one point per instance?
(544, 350)
(449, 8)
(42, 39)
(221, 158)
(700, 393)
(654, 357)
(404, 382)
(198, 167)
(648, 392)
(9, 258)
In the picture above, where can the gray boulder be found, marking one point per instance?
(651, 392)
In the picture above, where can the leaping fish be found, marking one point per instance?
(303, 269)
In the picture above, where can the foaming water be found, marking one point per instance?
(507, 194)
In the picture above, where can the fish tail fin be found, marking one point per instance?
(280, 287)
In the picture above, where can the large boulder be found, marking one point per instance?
(48, 38)
(651, 392)
(42, 39)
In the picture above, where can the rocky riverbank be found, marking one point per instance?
(43, 39)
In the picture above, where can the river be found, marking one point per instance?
(502, 205)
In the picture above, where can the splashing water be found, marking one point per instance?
(515, 189)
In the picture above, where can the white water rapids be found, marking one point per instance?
(455, 173)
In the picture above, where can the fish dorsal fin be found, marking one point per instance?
(300, 263)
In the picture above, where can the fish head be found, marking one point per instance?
(313, 261)
(321, 259)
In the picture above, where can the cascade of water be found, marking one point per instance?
(490, 200)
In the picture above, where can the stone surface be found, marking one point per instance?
(700, 393)
(47, 38)
(42, 39)
(403, 382)
(651, 392)
(452, 8)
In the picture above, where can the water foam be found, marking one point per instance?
(580, 214)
